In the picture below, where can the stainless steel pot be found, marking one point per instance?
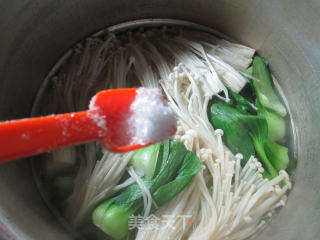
(34, 34)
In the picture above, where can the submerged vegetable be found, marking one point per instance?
(113, 219)
(248, 71)
(250, 129)
(277, 154)
(276, 124)
(242, 104)
(144, 160)
(233, 123)
(264, 91)
(243, 133)
(177, 167)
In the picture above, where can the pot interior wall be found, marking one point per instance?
(35, 34)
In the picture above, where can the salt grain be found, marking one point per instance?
(152, 119)
(98, 119)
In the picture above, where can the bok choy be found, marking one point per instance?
(263, 87)
(276, 124)
(243, 133)
(176, 168)
(277, 154)
(145, 161)
(251, 126)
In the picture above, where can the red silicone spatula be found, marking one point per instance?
(105, 121)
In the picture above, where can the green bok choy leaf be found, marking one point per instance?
(243, 133)
(176, 168)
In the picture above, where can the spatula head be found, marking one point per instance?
(131, 118)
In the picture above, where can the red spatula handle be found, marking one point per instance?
(32, 136)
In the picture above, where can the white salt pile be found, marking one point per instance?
(152, 120)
